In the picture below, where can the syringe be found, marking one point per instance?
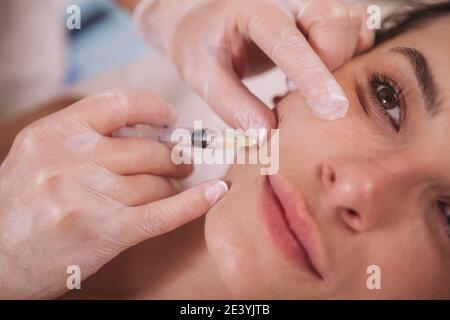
(206, 138)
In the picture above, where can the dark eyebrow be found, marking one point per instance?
(424, 77)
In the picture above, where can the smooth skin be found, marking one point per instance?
(371, 191)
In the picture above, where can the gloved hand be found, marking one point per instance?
(214, 42)
(71, 194)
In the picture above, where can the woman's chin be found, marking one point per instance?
(230, 243)
(235, 239)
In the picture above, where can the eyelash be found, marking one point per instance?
(378, 80)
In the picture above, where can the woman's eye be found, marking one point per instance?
(389, 100)
(387, 96)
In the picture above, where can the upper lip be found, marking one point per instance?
(299, 221)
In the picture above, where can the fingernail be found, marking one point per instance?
(215, 192)
(331, 104)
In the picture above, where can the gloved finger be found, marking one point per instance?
(134, 190)
(333, 29)
(117, 108)
(224, 91)
(128, 156)
(277, 35)
(165, 215)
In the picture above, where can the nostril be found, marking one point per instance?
(349, 215)
(352, 213)
(332, 176)
(328, 176)
(352, 219)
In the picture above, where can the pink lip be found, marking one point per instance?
(290, 225)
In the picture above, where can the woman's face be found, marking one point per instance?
(367, 190)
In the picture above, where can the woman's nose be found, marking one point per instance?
(357, 191)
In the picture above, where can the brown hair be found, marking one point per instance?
(415, 15)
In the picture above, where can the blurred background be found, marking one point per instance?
(40, 56)
(107, 40)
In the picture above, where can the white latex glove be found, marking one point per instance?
(213, 44)
(71, 194)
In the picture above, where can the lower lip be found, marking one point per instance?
(282, 236)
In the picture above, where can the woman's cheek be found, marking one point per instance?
(301, 132)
